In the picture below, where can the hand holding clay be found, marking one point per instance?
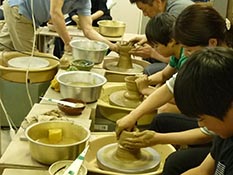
(144, 51)
(136, 140)
(118, 158)
(142, 83)
(65, 60)
(140, 40)
(126, 123)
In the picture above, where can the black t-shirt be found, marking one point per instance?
(100, 5)
(222, 153)
(95, 6)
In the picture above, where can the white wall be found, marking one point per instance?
(129, 13)
(221, 6)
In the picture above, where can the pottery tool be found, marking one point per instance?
(66, 103)
(73, 169)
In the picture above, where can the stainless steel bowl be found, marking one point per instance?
(82, 85)
(48, 153)
(111, 28)
(94, 51)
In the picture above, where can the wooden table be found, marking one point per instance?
(17, 154)
(11, 171)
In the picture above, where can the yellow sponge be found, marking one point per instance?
(55, 135)
(55, 85)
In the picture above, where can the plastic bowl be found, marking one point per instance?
(59, 167)
(69, 110)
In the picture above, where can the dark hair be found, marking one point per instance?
(159, 28)
(197, 23)
(204, 84)
(149, 2)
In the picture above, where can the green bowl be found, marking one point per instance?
(85, 65)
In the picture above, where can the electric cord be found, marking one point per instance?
(13, 128)
(32, 53)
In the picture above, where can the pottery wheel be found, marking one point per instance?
(113, 67)
(117, 98)
(107, 160)
(28, 62)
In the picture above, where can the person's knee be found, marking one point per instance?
(171, 165)
(153, 68)
(157, 121)
(180, 161)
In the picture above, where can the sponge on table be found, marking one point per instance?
(55, 135)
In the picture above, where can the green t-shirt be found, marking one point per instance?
(178, 62)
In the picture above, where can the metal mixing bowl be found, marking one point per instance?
(94, 51)
(111, 28)
(82, 85)
(48, 153)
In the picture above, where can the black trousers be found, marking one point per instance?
(185, 159)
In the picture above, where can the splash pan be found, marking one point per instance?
(13, 68)
(28, 62)
(117, 98)
(105, 139)
(116, 74)
(107, 159)
(114, 112)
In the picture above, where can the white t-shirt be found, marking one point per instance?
(171, 82)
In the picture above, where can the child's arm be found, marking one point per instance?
(207, 167)
(143, 85)
(161, 76)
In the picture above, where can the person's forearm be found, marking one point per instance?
(158, 98)
(148, 91)
(89, 32)
(194, 171)
(161, 76)
(156, 78)
(58, 21)
(97, 15)
(94, 35)
(59, 24)
(189, 137)
(207, 167)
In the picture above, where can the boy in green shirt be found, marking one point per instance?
(159, 35)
